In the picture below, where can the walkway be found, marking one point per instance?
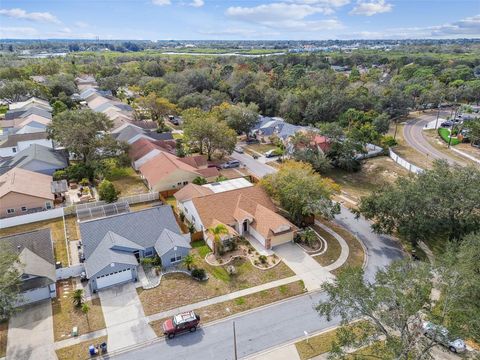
(306, 268)
(345, 250)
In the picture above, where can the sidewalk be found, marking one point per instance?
(345, 250)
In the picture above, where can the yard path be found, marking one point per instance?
(345, 250)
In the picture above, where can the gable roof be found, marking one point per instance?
(162, 165)
(26, 182)
(56, 159)
(197, 161)
(234, 206)
(32, 100)
(35, 251)
(142, 147)
(191, 191)
(14, 139)
(28, 110)
(140, 227)
(169, 240)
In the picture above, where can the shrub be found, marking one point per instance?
(84, 182)
(107, 191)
(146, 261)
(198, 274)
(221, 178)
(60, 175)
(79, 171)
(199, 180)
(263, 259)
(388, 141)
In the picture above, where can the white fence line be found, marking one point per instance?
(30, 218)
(404, 163)
(132, 199)
(71, 271)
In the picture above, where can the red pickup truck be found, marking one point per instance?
(187, 321)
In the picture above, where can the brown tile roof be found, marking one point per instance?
(140, 148)
(26, 182)
(234, 206)
(197, 161)
(191, 191)
(162, 165)
(208, 172)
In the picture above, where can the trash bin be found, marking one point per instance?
(103, 347)
(75, 331)
(91, 350)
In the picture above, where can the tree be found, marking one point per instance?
(241, 117)
(58, 107)
(77, 298)
(84, 133)
(301, 191)
(217, 233)
(473, 127)
(14, 90)
(305, 149)
(440, 203)
(61, 83)
(9, 280)
(188, 261)
(204, 131)
(157, 108)
(85, 310)
(107, 191)
(390, 308)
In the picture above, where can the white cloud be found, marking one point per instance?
(369, 8)
(282, 15)
(16, 13)
(161, 2)
(17, 32)
(467, 26)
(197, 3)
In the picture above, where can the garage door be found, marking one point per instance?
(281, 239)
(35, 295)
(114, 278)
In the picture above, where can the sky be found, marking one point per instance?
(239, 19)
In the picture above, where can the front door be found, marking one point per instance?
(245, 226)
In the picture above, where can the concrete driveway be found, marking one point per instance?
(124, 317)
(310, 271)
(30, 333)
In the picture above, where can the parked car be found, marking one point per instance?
(441, 336)
(175, 120)
(238, 149)
(231, 164)
(446, 124)
(184, 322)
(272, 153)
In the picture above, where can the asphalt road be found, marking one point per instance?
(256, 167)
(270, 326)
(413, 133)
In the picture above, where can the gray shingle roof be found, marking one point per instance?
(13, 139)
(57, 159)
(142, 227)
(35, 251)
(168, 240)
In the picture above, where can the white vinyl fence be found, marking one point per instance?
(404, 163)
(71, 271)
(132, 199)
(30, 218)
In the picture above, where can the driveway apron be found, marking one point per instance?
(30, 333)
(310, 271)
(124, 317)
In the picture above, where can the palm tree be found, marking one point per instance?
(85, 310)
(217, 233)
(77, 297)
(188, 261)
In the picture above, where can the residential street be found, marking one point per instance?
(413, 133)
(276, 324)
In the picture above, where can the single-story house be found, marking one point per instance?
(266, 127)
(36, 158)
(15, 143)
(36, 265)
(246, 211)
(24, 191)
(13, 125)
(166, 172)
(131, 133)
(113, 246)
(31, 101)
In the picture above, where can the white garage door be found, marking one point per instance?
(35, 295)
(114, 278)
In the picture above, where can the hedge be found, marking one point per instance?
(445, 134)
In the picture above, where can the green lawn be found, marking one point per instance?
(201, 247)
(445, 135)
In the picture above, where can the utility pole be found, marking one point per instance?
(453, 127)
(438, 115)
(234, 343)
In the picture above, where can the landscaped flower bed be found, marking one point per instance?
(445, 135)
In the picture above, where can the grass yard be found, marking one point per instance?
(72, 227)
(375, 172)
(58, 235)
(66, 315)
(445, 135)
(316, 345)
(3, 338)
(79, 351)
(356, 255)
(176, 290)
(333, 248)
(128, 182)
(432, 137)
(177, 136)
(231, 307)
(260, 148)
(408, 153)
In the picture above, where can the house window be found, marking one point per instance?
(185, 182)
(179, 183)
(24, 208)
(148, 252)
(175, 259)
(48, 205)
(10, 211)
